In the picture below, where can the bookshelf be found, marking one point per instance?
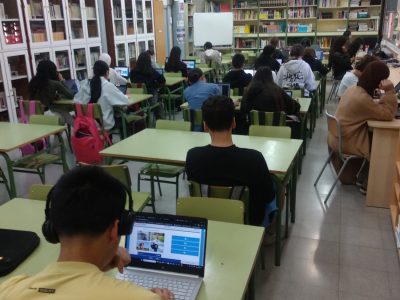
(256, 21)
(13, 30)
(189, 10)
(129, 28)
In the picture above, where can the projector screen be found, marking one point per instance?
(216, 28)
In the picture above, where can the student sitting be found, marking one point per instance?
(357, 106)
(339, 60)
(296, 73)
(274, 42)
(315, 64)
(86, 215)
(266, 59)
(224, 164)
(174, 63)
(47, 86)
(210, 55)
(199, 90)
(100, 90)
(114, 77)
(236, 77)
(145, 73)
(351, 77)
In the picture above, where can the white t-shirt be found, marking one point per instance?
(115, 78)
(348, 80)
(110, 96)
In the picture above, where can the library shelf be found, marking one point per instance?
(270, 34)
(363, 19)
(63, 69)
(10, 20)
(269, 20)
(80, 68)
(364, 33)
(272, 7)
(293, 34)
(75, 19)
(310, 18)
(56, 19)
(244, 8)
(324, 20)
(329, 33)
(327, 8)
(3, 109)
(364, 6)
(245, 20)
(19, 77)
(245, 48)
(36, 20)
(245, 35)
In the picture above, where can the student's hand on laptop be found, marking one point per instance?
(120, 259)
(165, 294)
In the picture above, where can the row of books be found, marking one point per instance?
(62, 61)
(245, 29)
(281, 43)
(58, 36)
(298, 27)
(74, 11)
(294, 3)
(35, 10)
(305, 12)
(266, 14)
(80, 57)
(340, 14)
(245, 4)
(94, 56)
(38, 37)
(272, 28)
(272, 3)
(330, 3)
(245, 15)
(56, 11)
(245, 43)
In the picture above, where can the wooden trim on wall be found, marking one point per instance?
(159, 32)
(109, 31)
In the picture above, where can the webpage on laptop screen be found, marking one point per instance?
(167, 244)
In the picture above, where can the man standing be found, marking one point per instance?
(224, 164)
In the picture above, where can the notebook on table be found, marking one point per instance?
(167, 251)
(190, 63)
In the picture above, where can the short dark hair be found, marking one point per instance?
(207, 45)
(194, 75)
(274, 41)
(297, 50)
(268, 50)
(218, 112)
(238, 60)
(86, 200)
(309, 52)
(364, 61)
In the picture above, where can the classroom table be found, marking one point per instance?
(230, 258)
(132, 99)
(385, 152)
(13, 136)
(171, 146)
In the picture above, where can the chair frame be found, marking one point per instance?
(344, 157)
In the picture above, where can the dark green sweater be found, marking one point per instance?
(54, 91)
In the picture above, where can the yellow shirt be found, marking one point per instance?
(72, 280)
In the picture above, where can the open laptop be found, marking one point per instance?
(167, 251)
(190, 63)
(225, 89)
(249, 71)
(123, 71)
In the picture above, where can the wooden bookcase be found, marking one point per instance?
(190, 9)
(130, 29)
(256, 21)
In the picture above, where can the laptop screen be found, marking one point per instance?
(249, 71)
(190, 63)
(160, 71)
(123, 71)
(225, 89)
(168, 243)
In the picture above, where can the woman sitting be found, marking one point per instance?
(339, 60)
(315, 64)
(100, 90)
(174, 63)
(47, 86)
(266, 59)
(264, 95)
(357, 106)
(145, 73)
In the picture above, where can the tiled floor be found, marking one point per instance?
(342, 250)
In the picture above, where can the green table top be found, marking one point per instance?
(229, 259)
(14, 135)
(170, 146)
(171, 80)
(206, 70)
(132, 99)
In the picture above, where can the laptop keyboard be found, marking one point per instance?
(181, 288)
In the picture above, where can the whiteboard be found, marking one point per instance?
(216, 28)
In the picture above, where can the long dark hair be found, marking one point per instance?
(372, 76)
(336, 46)
(174, 56)
(45, 71)
(143, 64)
(355, 46)
(264, 78)
(100, 69)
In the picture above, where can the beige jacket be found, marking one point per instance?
(355, 108)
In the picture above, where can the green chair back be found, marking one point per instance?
(173, 125)
(120, 172)
(296, 93)
(270, 131)
(277, 118)
(39, 109)
(97, 113)
(195, 117)
(202, 65)
(39, 191)
(44, 120)
(172, 74)
(216, 209)
(138, 86)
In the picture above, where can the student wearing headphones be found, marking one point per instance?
(85, 213)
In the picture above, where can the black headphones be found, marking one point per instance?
(124, 226)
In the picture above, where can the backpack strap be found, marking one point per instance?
(78, 108)
(24, 119)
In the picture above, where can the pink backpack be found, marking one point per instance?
(86, 140)
(29, 148)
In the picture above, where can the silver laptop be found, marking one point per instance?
(225, 89)
(167, 251)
